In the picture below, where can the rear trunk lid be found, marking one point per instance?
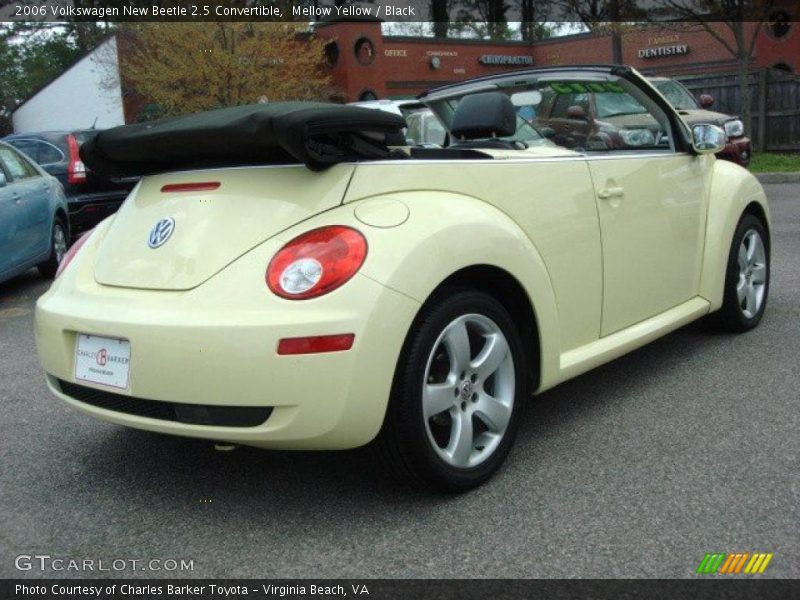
(210, 228)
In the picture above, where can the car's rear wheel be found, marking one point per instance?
(58, 248)
(747, 277)
(458, 389)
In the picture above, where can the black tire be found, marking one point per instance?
(734, 316)
(405, 443)
(49, 267)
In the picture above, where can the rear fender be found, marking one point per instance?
(436, 234)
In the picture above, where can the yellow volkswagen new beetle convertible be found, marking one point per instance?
(293, 276)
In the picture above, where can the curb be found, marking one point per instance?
(791, 177)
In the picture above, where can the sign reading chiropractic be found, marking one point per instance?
(504, 59)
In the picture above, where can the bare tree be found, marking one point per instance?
(604, 16)
(741, 21)
(440, 15)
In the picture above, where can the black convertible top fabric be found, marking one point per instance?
(313, 133)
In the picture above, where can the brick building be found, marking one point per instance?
(367, 64)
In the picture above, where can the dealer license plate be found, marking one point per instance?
(103, 360)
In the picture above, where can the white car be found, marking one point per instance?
(424, 128)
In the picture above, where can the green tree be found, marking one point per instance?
(189, 67)
(31, 56)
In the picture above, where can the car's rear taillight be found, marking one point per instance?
(316, 262)
(73, 250)
(76, 170)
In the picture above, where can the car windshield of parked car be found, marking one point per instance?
(617, 105)
(17, 166)
(677, 95)
(424, 128)
(580, 111)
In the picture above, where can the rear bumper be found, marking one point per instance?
(86, 211)
(212, 347)
(738, 151)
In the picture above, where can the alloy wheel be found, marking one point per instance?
(59, 242)
(752, 262)
(468, 392)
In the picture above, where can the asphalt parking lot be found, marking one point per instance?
(637, 469)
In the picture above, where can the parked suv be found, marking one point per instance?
(597, 116)
(738, 146)
(91, 197)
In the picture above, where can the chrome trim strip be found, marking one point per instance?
(520, 160)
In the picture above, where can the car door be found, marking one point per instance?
(31, 218)
(7, 226)
(651, 201)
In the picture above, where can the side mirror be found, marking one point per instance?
(3, 181)
(706, 100)
(576, 112)
(708, 139)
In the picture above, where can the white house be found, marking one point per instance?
(87, 94)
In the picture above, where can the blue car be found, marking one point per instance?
(33, 217)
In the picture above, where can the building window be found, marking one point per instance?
(367, 95)
(364, 50)
(782, 66)
(331, 54)
(779, 24)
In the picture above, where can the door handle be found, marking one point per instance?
(612, 192)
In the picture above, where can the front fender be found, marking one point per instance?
(732, 190)
(441, 233)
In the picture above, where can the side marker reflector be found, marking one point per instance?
(316, 344)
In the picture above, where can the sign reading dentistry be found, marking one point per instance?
(659, 51)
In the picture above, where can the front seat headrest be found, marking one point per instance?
(484, 115)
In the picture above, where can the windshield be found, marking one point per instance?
(424, 128)
(616, 105)
(576, 111)
(677, 95)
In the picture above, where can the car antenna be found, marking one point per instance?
(94, 125)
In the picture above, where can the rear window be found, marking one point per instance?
(82, 136)
(42, 152)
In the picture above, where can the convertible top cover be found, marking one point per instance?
(313, 133)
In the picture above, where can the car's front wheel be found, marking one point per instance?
(457, 394)
(747, 277)
(58, 248)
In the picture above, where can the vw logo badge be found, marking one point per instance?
(161, 232)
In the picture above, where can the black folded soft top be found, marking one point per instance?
(312, 133)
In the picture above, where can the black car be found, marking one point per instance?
(91, 197)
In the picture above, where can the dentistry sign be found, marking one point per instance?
(663, 45)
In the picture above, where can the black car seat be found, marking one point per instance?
(480, 119)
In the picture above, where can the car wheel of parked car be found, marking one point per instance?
(58, 248)
(457, 393)
(747, 277)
